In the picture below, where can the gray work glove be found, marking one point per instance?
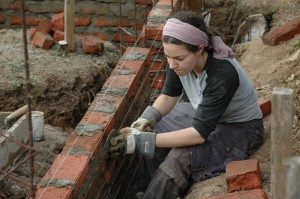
(131, 139)
(147, 120)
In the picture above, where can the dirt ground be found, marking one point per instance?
(64, 84)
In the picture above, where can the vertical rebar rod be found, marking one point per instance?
(135, 21)
(120, 23)
(145, 24)
(31, 151)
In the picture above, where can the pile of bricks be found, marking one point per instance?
(51, 30)
(243, 181)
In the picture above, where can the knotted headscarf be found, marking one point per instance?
(194, 36)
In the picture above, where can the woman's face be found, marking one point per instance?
(180, 59)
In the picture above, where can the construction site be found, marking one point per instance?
(71, 71)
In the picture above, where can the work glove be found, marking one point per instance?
(147, 120)
(131, 139)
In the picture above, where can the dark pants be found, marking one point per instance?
(171, 171)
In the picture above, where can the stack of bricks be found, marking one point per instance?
(243, 181)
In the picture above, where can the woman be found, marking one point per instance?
(222, 122)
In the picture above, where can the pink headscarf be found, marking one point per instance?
(194, 36)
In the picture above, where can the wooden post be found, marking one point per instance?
(69, 21)
(293, 176)
(281, 138)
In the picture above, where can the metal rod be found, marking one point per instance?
(145, 22)
(135, 21)
(16, 141)
(16, 179)
(120, 21)
(16, 167)
(28, 96)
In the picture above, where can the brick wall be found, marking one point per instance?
(91, 17)
(78, 171)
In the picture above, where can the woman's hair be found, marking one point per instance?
(193, 19)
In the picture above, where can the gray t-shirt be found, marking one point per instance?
(221, 93)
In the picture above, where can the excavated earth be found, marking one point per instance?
(62, 86)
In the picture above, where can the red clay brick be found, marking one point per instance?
(80, 142)
(2, 19)
(139, 25)
(102, 36)
(128, 82)
(265, 106)
(135, 66)
(110, 126)
(113, 100)
(58, 35)
(30, 21)
(121, 36)
(42, 40)
(157, 66)
(73, 167)
(83, 34)
(282, 33)
(153, 31)
(107, 22)
(250, 194)
(166, 2)
(31, 31)
(54, 192)
(243, 175)
(82, 21)
(119, 81)
(96, 117)
(58, 21)
(92, 44)
(45, 26)
(145, 51)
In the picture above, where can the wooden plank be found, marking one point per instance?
(293, 176)
(281, 138)
(69, 20)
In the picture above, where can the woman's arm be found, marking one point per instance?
(179, 138)
(164, 104)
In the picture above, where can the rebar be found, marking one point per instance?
(31, 151)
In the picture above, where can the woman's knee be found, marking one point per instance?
(177, 165)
